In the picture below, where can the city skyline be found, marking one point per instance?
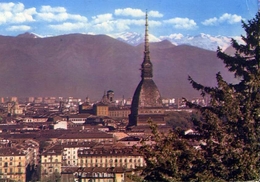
(166, 18)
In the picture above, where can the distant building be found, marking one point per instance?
(35, 119)
(51, 161)
(30, 99)
(125, 157)
(14, 99)
(119, 112)
(100, 109)
(147, 101)
(110, 96)
(12, 165)
(90, 136)
(94, 174)
(78, 118)
(17, 159)
(61, 124)
(38, 100)
(86, 107)
(14, 108)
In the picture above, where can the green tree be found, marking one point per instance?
(179, 119)
(229, 131)
(170, 158)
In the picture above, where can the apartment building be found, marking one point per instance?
(51, 161)
(13, 164)
(111, 156)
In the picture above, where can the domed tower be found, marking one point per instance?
(147, 102)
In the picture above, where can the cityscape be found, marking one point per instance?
(118, 138)
(67, 139)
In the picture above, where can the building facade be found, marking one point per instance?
(12, 165)
(126, 157)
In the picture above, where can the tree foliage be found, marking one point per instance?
(228, 146)
(180, 119)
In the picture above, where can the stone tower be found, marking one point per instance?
(147, 102)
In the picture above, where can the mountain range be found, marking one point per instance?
(82, 65)
(204, 41)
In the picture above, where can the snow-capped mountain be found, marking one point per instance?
(29, 35)
(202, 40)
(134, 38)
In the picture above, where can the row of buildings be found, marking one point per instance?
(57, 139)
(59, 155)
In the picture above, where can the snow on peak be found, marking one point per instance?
(202, 40)
(28, 35)
(134, 38)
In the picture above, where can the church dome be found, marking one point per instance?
(147, 95)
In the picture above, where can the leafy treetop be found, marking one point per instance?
(229, 134)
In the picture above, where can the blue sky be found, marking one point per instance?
(166, 17)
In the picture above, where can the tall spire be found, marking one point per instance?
(146, 39)
(147, 66)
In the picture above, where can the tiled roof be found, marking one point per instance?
(10, 152)
(86, 135)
